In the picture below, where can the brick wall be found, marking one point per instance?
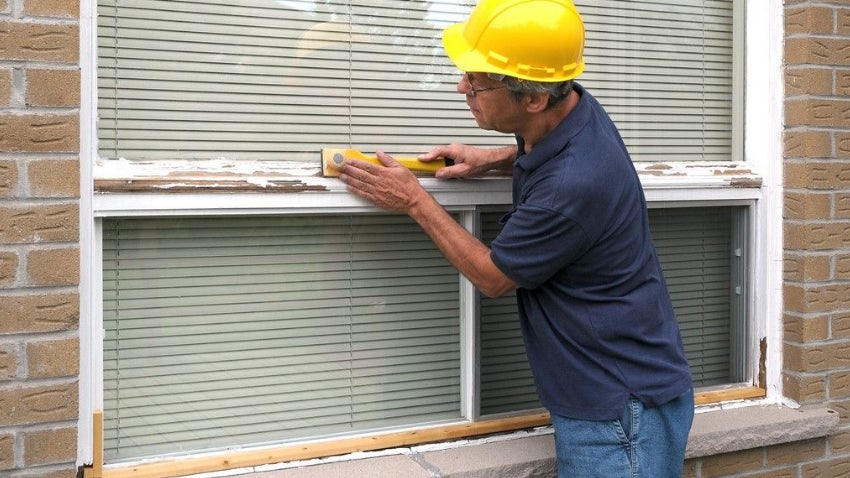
(39, 237)
(817, 217)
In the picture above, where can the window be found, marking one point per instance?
(246, 319)
(261, 79)
(225, 332)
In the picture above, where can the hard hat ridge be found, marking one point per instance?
(539, 40)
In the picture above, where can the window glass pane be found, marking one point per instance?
(262, 79)
(697, 248)
(698, 251)
(223, 332)
(506, 382)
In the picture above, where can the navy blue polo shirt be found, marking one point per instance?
(595, 312)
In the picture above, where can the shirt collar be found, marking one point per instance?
(555, 142)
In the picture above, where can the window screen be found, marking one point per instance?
(279, 79)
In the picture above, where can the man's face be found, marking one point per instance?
(490, 103)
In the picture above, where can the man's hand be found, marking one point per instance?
(391, 186)
(470, 161)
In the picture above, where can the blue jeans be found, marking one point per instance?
(643, 443)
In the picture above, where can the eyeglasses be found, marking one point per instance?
(473, 90)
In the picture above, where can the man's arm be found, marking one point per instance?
(395, 188)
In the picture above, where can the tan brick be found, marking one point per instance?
(806, 329)
(837, 355)
(40, 42)
(817, 112)
(808, 81)
(843, 22)
(53, 267)
(809, 20)
(826, 469)
(786, 472)
(808, 268)
(52, 8)
(793, 296)
(842, 408)
(38, 404)
(730, 463)
(818, 175)
(842, 143)
(808, 450)
(796, 175)
(842, 206)
(827, 297)
(813, 237)
(8, 362)
(803, 358)
(8, 268)
(5, 87)
(839, 384)
(841, 326)
(816, 357)
(40, 133)
(53, 358)
(39, 313)
(54, 178)
(45, 447)
(805, 205)
(839, 443)
(842, 266)
(37, 224)
(817, 51)
(842, 82)
(808, 144)
(53, 88)
(804, 388)
(7, 451)
(8, 178)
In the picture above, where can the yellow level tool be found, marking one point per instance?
(332, 159)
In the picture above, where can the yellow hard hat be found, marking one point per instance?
(539, 40)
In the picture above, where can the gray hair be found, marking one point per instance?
(557, 91)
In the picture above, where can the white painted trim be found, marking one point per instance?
(763, 151)
(469, 326)
(90, 364)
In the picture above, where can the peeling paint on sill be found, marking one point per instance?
(222, 175)
(217, 175)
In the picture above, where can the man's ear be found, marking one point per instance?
(536, 102)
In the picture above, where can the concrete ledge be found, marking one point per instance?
(724, 431)
(532, 454)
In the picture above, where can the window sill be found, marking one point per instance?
(531, 453)
(134, 188)
(722, 431)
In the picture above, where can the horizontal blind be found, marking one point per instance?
(506, 382)
(281, 80)
(224, 332)
(696, 251)
(276, 80)
(664, 71)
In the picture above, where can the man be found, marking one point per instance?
(598, 324)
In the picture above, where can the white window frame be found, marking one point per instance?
(681, 185)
